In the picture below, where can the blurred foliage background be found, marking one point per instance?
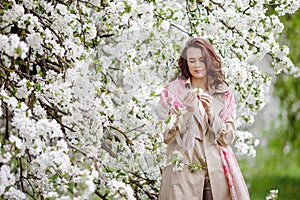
(277, 164)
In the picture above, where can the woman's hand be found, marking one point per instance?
(207, 104)
(189, 99)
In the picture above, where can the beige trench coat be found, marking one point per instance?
(185, 185)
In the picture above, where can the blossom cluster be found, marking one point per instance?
(246, 143)
(80, 81)
(273, 195)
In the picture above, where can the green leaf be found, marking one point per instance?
(134, 99)
(28, 85)
(38, 87)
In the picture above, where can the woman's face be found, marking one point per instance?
(195, 62)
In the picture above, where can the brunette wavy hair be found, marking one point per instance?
(211, 60)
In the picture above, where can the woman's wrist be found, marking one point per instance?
(211, 117)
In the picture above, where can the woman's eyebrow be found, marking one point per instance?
(195, 58)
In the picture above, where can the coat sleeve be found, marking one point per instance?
(223, 125)
(164, 109)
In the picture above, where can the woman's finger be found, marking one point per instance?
(206, 97)
(188, 98)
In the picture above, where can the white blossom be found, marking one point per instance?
(6, 178)
(123, 189)
(14, 47)
(84, 80)
(14, 193)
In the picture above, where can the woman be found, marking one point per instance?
(203, 130)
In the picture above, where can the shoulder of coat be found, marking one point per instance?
(221, 88)
(219, 91)
(178, 82)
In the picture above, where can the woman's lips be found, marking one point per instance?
(198, 70)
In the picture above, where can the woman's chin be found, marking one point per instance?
(199, 75)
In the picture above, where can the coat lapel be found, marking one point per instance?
(197, 113)
(217, 100)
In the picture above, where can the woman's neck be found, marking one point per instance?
(199, 83)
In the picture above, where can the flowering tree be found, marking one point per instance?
(80, 81)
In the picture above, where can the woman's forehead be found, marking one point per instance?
(194, 53)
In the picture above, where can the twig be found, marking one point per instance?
(143, 125)
(95, 160)
(21, 174)
(128, 141)
(89, 3)
(181, 29)
(81, 22)
(6, 124)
